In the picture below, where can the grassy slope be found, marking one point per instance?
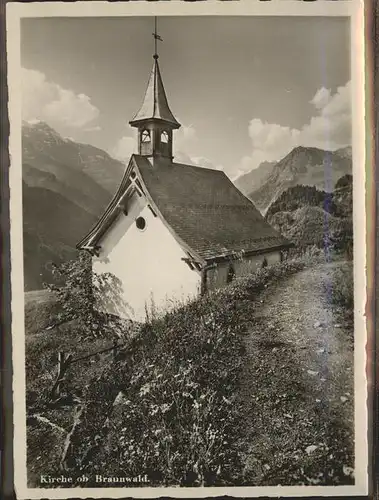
(42, 345)
(40, 307)
(168, 388)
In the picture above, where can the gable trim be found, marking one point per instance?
(127, 187)
(113, 209)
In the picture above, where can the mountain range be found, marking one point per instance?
(251, 181)
(302, 166)
(67, 185)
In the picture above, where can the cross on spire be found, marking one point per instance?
(156, 38)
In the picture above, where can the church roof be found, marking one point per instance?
(206, 210)
(155, 104)
(203, 209)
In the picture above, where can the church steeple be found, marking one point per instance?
(155, 121)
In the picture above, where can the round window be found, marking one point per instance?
(141, 223)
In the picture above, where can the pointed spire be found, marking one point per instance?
(155, 104)
(155, 121)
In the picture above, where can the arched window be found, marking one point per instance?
(145, 136)
(231, 274)
(164, 136)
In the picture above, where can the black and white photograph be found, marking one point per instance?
(188, 257)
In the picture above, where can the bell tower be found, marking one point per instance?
(155, 121)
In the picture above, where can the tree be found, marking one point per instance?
(85, 296)
(344, 181)
(342, 239)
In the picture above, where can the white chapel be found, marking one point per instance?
(173, 231)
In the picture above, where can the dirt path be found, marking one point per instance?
(298, 386)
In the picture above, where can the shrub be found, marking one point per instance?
(300, 196)
(344, 181)
(84, 295)
(342, 238)
(342, 289)
(41, 362)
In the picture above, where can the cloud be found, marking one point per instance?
(329, 128)
(269, 140)
(332, 128)
(185, 141)
(124, 148)
(202, 161)
(97, 128)
(321, 98)
(47, 101)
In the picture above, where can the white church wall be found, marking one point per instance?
(147, 262)
(119, 227)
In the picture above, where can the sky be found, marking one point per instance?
(245, 89)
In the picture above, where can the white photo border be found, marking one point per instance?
(352, 9)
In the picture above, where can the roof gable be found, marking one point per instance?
(201, 207)
(206, 210)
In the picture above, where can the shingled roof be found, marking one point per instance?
(206, 210)
(202, 208)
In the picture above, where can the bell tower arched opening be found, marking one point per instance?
(155, 121)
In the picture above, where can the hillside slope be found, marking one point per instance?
(52, 225)
(305, 166)
(46, 150)
(308, 226)
(66, 187)
(308, 216)
(254, 179)
(275, 359)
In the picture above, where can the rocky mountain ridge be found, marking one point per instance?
(252, 180)
(66, 186)
(303, 166)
